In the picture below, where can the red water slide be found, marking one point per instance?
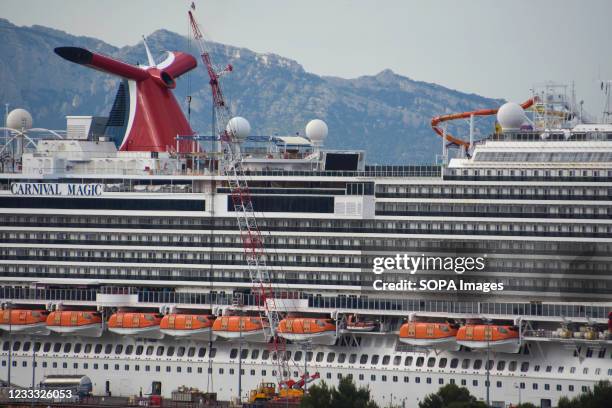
(465, 115)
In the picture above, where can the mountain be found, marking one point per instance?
(386, 114)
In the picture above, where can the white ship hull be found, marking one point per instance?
(403, 384)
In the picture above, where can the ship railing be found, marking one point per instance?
(566, 311)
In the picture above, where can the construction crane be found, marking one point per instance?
(252, 240)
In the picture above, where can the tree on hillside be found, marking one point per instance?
(599, 397)
(451, 396)
(347, 395)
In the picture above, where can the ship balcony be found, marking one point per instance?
(117, 296)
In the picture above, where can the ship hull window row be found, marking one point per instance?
(102, 204)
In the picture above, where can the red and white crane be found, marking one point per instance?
(230, 136)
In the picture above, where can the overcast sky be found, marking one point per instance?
(493, 48)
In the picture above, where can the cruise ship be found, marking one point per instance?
(123, 258)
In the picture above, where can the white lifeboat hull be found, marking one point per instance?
(152, 332)
(87, 330)
(200, 334)
(500, 346)
(326, 338)
(35, 328)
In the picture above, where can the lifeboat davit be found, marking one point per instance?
(139, 324)
(503, 339)
(194, 326)
(316, 331)
(357, 325)
(24, 321)
(77, 322)
(249, 328)
(426, 334)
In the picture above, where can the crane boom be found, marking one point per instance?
(252, 240)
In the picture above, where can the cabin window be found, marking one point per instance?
(319, 357)
(465, 364)
(477, 364)
(499, 384)
(168, 369)
(363, 359)
(442, 362)
(67, 347)
(534, 386)
(420, 361)
(26, 346)
(341, 358)
(524, 367)
(118, 348)
(180, 352)
(160, 351)
(255, 354)
(191, 352)
(331, 357)
(245, 353)
(170, 351)
(374, 360)
(548, 369)
(559, 388)
(397, 360)
(149, 351)
(406, 379)
(233, 353)
(77, 348)
(5, 346)
(88, 348)
(178, 369)
(129, 349)
(431, 362)
(512, 366)
(266, 354)
(570, 388)
(352, 358)
(384, 378)
(108, 349)
(201, 352)
(57, 347)
(560, 369)
(417, 380)
(454, 363)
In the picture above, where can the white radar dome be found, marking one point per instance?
(316, 130)
(511, 116)
(239, 127)
(19, 119)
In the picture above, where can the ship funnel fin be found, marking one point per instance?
(149, 55)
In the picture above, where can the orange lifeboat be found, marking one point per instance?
(426, 334)
(356, 324)
(249, 328)
(503, 339)
(187, 325)
(139, 324)
(317, 331)
(79, 322)
(24, 321)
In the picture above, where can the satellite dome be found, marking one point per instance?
(316, 130)
(511, 116)
(19, 119)
(239, 127)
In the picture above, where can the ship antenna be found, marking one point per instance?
(149, 55)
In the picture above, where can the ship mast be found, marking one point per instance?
(252, 240)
